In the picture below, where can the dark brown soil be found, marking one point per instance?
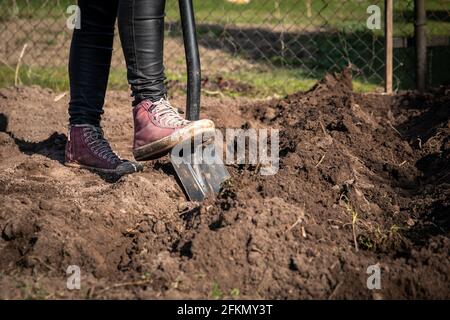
(363, 179)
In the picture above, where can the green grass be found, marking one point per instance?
(324, 13)
(54, 78)
(281, 82)
(277, 82)
(335, 14)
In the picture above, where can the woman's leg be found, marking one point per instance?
(158, 127)
(90, 60)
(141, 28)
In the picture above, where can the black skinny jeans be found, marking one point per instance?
(141, 29)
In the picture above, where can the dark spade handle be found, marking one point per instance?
(192, 60)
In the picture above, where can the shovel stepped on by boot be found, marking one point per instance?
(196, 161)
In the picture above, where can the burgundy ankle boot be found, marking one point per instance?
(158, 128)
(88, 149)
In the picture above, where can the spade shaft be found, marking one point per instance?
(192, 59)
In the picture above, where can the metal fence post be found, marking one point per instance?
(389, 45)
(421, 44)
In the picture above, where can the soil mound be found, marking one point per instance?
(363, 180)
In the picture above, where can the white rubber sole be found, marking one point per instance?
(161, 147)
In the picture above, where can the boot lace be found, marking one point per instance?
(96, 141)
(168, 115)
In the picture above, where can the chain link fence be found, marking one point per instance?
(295, 40)
(438, 38)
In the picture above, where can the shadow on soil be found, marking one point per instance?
(429, 130)
(53, 148)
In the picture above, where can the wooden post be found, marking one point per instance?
(421, 44)
(389, 45)
(308, 8)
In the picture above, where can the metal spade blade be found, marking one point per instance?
(199, 167)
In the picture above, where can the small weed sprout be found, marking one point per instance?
(216, 293)
(349, 208)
